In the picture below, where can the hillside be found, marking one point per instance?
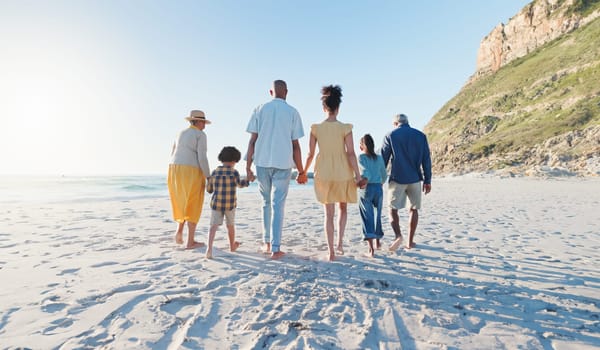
(533, 114)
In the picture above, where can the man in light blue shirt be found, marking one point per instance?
(408, 152)
(275, 128)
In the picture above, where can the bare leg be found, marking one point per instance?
(267, 248)
(371, 249)
(378, 244)
(179, 233)
(395, 222)
(191, 243)
(329, 213)
(233, 244)
(413, 220)
(211, 239)
(343, 218)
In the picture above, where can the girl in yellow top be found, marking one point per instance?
(188, 171)
(336, 169)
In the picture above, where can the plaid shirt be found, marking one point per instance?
(222, 184)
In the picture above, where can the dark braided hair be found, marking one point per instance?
(332, 97)
(367, 140)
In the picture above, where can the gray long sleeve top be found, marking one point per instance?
(190, 149)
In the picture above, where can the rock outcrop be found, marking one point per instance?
(533, 105)
(535, 25)
(573, 153)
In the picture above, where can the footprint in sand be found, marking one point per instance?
(54, 307)
(226, 291)
(68, 271)
(175, 304)
(376, 284)
(106, 263)
(6, 316)
(59, 323)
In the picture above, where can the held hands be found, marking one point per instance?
(361, 182)
(250, 175)
(302, 178)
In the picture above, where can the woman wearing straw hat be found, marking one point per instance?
(188, 172)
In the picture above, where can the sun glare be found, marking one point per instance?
(42, 114)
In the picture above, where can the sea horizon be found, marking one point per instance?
(80, 188)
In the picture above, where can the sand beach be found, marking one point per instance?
(500, 263)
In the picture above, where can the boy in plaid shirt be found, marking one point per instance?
(222, 184)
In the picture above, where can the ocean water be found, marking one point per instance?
(48, 189)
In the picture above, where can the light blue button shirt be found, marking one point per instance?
(277, 125)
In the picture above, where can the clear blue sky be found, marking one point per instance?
(102, 87)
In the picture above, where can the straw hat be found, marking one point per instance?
(197, 115)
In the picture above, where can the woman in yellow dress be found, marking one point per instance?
(336, 168)
(188, 172)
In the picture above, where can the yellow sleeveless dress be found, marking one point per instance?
(334, 178)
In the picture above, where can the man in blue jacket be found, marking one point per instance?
(408, 152)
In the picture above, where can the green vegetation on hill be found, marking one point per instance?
(583, 7)
(549, 92)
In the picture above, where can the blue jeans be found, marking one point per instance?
(371, 199)
(273, 182)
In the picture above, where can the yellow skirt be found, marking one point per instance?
(186, 188)
(328, 191)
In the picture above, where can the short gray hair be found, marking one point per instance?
(400, 119)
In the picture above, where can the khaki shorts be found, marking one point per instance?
(216, 217)
(397, 194)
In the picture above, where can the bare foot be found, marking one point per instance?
(370, 254)
(277, 255)
(410, 245)
(396, 244)
(266, 248)
(209, 254)
(331, 257)
(195, 245)
(235, 246)
(339, 250)
(178, 238)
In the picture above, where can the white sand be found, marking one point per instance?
(500, 264)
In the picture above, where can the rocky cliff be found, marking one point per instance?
(535, 25)
(533, 105)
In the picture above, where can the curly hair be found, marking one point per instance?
(332, 97)
(230, 154)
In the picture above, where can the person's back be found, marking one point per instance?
(336, 170)
(408, 151)
(276, 123)
(186, 147)
(373, 169)
(332, 162)
(188, 171)
(274, 128)
(222, 184)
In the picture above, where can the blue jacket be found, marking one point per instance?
(408, 151)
